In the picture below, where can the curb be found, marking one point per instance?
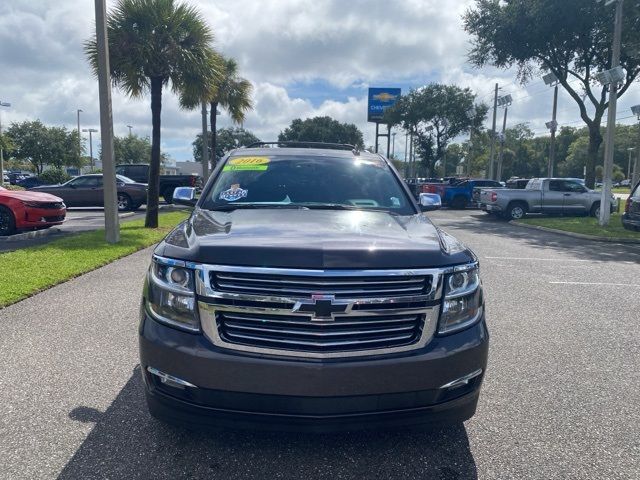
(593, 238)
(33, 234)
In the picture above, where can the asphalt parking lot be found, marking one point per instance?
(560, 400)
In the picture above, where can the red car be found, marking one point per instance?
(22, 210)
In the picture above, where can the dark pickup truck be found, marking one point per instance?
(139, 172)
(308, 290)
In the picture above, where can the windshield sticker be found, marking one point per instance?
(247, 164)
(234, 193)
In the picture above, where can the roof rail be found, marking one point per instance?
(298, 144)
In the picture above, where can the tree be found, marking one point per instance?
(153, 44)
(41, 145)
(435, 115)
(571, 39)
(228, 139)
(233, 93)
(322, 129)
(133, 149)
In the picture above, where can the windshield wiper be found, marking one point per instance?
(251, 206)
(341, 206)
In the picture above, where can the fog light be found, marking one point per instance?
(459, 382)
(170, 380)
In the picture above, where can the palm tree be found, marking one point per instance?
(233, 93)
(153, 44)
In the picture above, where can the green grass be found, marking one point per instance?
(586, 225)
(624, 190)
(31, 270)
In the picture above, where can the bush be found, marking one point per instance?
(53, 176)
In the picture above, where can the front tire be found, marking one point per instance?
(595, 210)
(516, 211)
(167, 194)
(7, 222)
(124, 202)
(459, 203)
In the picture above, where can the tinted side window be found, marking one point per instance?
(556, 186)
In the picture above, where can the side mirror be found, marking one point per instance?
(430, 202)
(185, 196)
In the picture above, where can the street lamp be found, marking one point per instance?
(629, 164)
(636, 167)
(129, 127)
(78, 112)
(611, 78)
(550, 79)
(2, 104)
(504, 101)
(471, 115)
(91, 131)
(393, 144)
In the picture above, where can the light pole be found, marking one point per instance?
(504, 101)
(551, 80)
(2, 104)
(130, 127)
(393, 144)
(205, 143)
(78, 112)
(493, 132)
(471, 114)
(91, 131)
(629, 164)
(636, 167)
(611, 78)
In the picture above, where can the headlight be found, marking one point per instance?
(171, 295)
(462, 304)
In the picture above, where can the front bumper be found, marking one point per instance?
(33, 217)
(247, 390)
(630, 223)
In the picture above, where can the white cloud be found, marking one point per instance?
(329, 45)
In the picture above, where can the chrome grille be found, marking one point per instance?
(294, 332)
(339, 286)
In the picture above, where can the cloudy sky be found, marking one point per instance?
(304, 58)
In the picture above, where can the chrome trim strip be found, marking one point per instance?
(169, 379)
(210, 330)
(462, 380)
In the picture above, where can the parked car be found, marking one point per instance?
(631, 215)
(87, 191)
(309, 290)
(544, 195)
(139, 172)
(460, 195)
(517, 183)
(24, 210)
(30, 182)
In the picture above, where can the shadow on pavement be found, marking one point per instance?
(483, 224)
(127, 443)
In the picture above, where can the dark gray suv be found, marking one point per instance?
(308, 290)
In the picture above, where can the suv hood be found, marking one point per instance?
(313, 239)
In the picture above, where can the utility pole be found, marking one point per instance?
(550, 79)
(2, 104)
(605, 202)
(205, 144)
(629, 164)
(503, 138)
(111, 219)
(130, 127)
(493, 133)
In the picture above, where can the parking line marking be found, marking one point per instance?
(596, 284)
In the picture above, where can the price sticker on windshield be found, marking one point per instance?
(250, 164)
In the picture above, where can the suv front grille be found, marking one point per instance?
(294, 332)
(318, 313)
(341, 287)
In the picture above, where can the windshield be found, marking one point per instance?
(124, 179)
(308, 181)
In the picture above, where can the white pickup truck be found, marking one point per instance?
(543, 195)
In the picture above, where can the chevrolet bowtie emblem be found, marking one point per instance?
(384, 97)
(322, 307)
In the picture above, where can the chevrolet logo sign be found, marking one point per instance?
(384, 97)
(322, 307)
